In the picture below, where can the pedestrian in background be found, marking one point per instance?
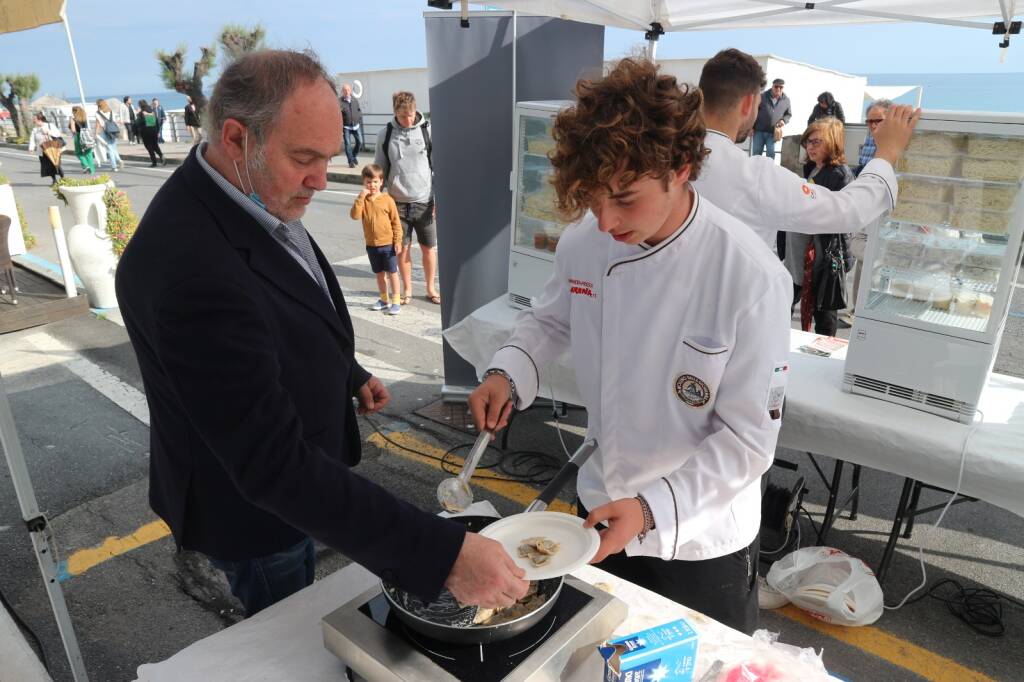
(192, 121)
(131, 127)
(827, 107)
(84, 141)
(404, 154)
(107, 132)
(119, 111)
(352, 122)
(161, 116)
(146, 127)
(773, 113)
(46, 138)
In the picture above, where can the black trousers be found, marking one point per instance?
(826, 322)
(148, 136)
(723, 588)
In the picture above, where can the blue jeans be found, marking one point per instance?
(352, 148)
(113, 156)
(263, 581)
(763, 141)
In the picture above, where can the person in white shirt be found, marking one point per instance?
(767, 197)
(678, 322)
(44, 133)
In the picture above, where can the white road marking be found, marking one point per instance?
(338, 191)
(127, 397)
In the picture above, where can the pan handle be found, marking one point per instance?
(564, 475)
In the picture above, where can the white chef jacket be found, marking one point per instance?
(769, 198)
(674, 348)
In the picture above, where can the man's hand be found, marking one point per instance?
(893, 134)
(372, 396)
(485, 574)
(490, 404)
(625, 520)
(398, 248)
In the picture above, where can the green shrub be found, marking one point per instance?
(121, 219)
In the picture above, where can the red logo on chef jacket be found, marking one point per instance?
(692, 390)
(579, 287)
(806, 189)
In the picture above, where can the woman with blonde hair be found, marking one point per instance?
(107, 132)
(819, 264)
(85, 143)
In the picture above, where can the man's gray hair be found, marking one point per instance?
(253, 88)
(883, 104)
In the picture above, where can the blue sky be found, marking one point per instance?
(115, 41)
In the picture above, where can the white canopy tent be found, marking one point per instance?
(873, 92)
(656, 17)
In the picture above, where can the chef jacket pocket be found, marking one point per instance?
(699, 369)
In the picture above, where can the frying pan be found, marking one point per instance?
(444, 619)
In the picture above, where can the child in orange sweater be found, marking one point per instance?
(383, 232)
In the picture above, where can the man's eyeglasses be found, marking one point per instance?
(874, 121)
(776, 87)
(813, 142)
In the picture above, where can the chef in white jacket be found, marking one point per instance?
(767, 197)
(678, 322)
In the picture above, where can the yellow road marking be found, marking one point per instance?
(84, 559)
(925, 663)
(517, 492)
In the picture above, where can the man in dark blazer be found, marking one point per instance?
(247, 356)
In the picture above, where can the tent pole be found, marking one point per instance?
(652, 48)
(41, 535)
(71, 45)
(651, 35)
(920, 94)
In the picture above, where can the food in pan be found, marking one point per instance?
(996, 147)
(921, 212)
(964, 302)
(983, 308)
(916, 189)
(1001, 170)
(990, 197)
(528, 604)
(538, 550)
(936, 143)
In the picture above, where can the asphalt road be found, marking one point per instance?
(88, 458)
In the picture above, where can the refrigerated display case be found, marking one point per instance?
(940, 268)
(536, 227)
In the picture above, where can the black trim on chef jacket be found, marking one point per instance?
(662, 245)
(701, 350)
(528, 357)
(892, 199)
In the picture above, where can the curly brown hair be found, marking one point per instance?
(832, 137)
(634, 121)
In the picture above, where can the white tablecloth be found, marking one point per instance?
(284, 642)
(823, 419)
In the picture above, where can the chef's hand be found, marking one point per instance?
(625, 520)
(485, 574)
(490, 404)
(893, 134)
(372, 396)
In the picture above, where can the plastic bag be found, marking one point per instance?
(829, 584)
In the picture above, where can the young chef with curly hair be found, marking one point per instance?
(678, 322)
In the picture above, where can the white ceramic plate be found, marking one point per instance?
(578, 544)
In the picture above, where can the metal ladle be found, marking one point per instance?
(454, 494)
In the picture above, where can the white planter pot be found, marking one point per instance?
(92, 254)
(15, 242)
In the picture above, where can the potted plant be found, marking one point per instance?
(103, 224)
(19, 239)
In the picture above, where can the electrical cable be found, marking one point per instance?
(980, 608)
(956, 492)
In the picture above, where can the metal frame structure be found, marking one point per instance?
(39, 530)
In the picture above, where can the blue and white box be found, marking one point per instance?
(666, 653)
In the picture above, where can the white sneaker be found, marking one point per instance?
(379, 305)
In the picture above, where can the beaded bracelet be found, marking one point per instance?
(508, 378)
(648, 518)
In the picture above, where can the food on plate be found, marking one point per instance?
(538, 550)
(917, 189)
(528, 604)
(939, 166)
(991, 197)
(995, 147)
(921, 212)
(927, 290)
(1001, 170)
(964, 302)
(936, 143)
(992, 222)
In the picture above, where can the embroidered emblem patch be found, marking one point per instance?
(692, 391)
